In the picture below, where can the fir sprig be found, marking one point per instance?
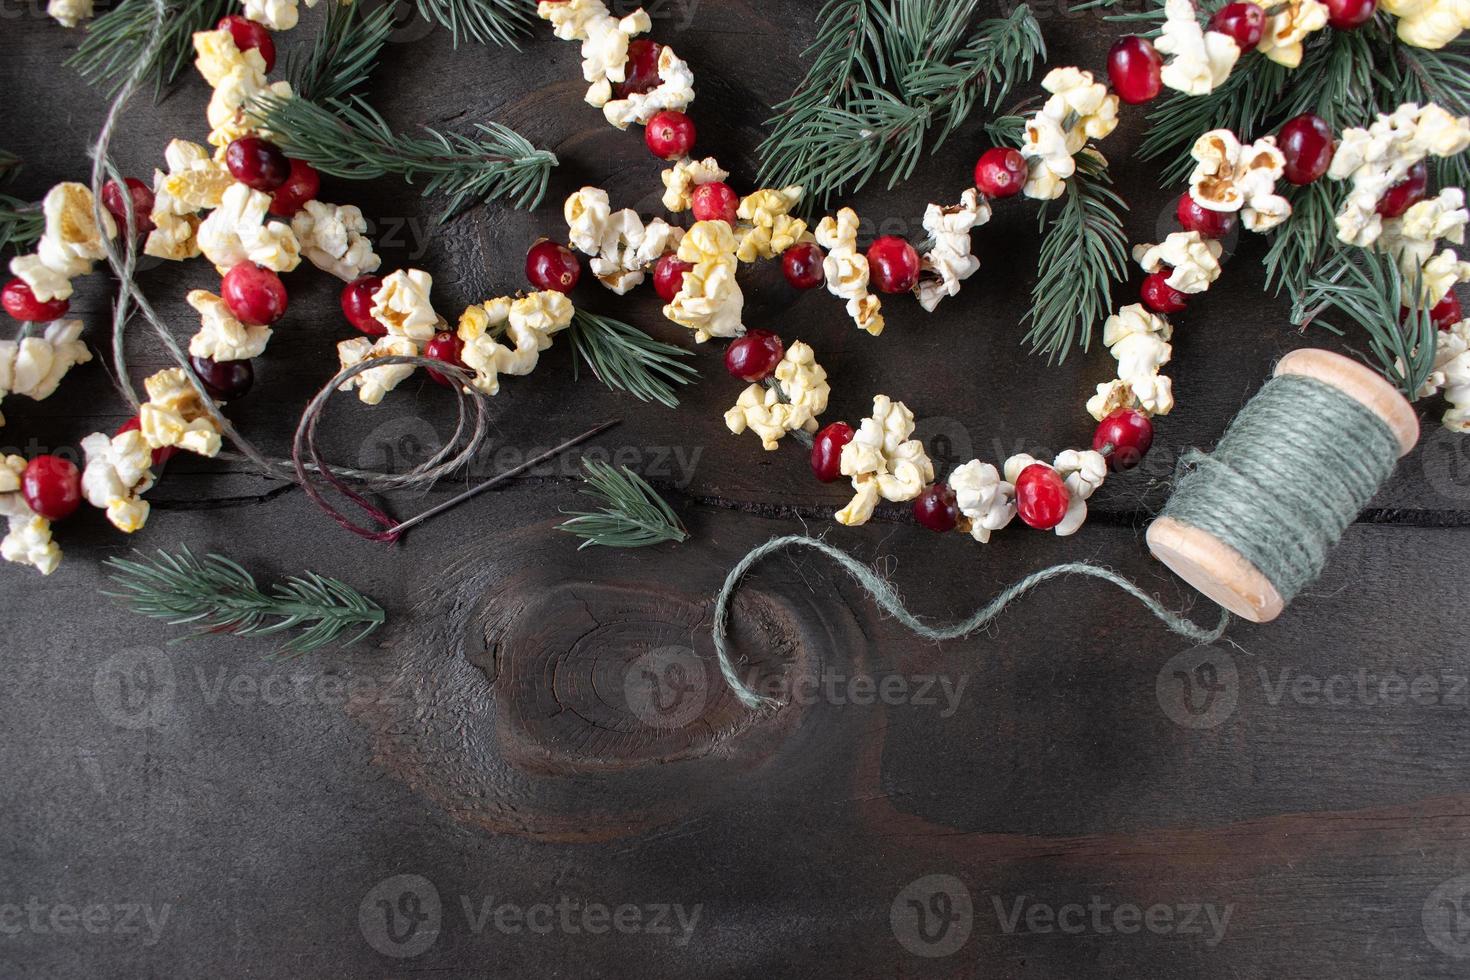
(1368, 288)
(1084, 250)
(499, 22)
(9, 165)
(219, 596)
(1307, 241)
(626, 359)
(117, 39)
(348, 138)
(343, 54)
(1442, 77)
(21, 223)
(632, 514)
(889, 81)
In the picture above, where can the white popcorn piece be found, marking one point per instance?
(1412, 237)
(675, 90)
(333, 238)
(278, 15)
(46, 283)
(684, 176)
(373, 383)
(175, 415)
(117, 474)
(1139, 340)
(768, 229)
(710, 301)
(570, 18)
(1079, 109)
(987, 502)
(221, 336)
(1288, 27)
(69, 13)
(216, 56)
(1429, 23)
(950, 261)
(402, 305)
(1194, 260)
(528, 321)
(883, 462)
(1083, 471)
(621, 246)
(34, 366)
(1201, 59)
(238, 231)
(29, 539)
(1439, 275)
(799, 396)
(1451, 375)
(71, 241)
(846, 270)
(1229, 176)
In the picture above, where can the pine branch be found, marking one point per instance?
(221, 597)
(632, 514)
(118, 38)
(1084, 250)
(626, 359)
(1367, 287)
(350, 139)
(10, 165)
(498, 22)
(1442, 77)
(1307, 240)
(21, 223)
(890, 81)
(344, 53)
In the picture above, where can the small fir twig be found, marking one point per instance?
(1307, 240)
(344, 53)
(626, 359)
(21, 223)
(632, 514)
(117, 39)
(499, 22)
(1368, 288)
(219, 596)
(10, 165)
(350, 139)
(1442, 77)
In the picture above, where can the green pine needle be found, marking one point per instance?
(1084, 250)
(888, 82)
(626, 359)
(21, 223)
(1442, 77)
(348, 138)
(221, 597)
(9, 165)
(1367, 287)
(343, 55)
(632, 514)
(1307, 240)
(498, 22)
(117, 39)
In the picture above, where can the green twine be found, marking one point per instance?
(1292, 471)
(883, 594)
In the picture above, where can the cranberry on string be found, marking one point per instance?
(248, 34)
(1159, 296)
(1245, 22)
(668, 276)
(257, 163)
(1042, 497)
(715, 201)
(936, 508)
(1135, 69)
(1124, 437)
(801, 264)
(827, 450)
(448, 348)
(640, 74)
(754, 357)
(225, 381)
(52, 487)
(1307, 144)
(1194, 216)
(893, 264)
(21, 303)
(161, 455)
(254, 294)
(1406, 193)
(142, 199)
(1000, 172)
(357, 304)
(1349, 15)
(551, 265)
(669, 135)
(301, 186)
(1446, 313)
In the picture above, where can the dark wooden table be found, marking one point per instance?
(1074, 793)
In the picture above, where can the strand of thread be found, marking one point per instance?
(1292, 471)
(886, 598)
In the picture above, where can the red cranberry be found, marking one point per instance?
(299, 188)
(22, 304)
(1347, 15)
(1406, 193)
(893, 264)
(1124, 437)
(448, 348)
(1306, 142)
(715, 202)
(1194, 216)
(1041, 496)
(357, 304)
(1245, 22)
(161, 455)
(224, 380)
(827, 451)
(754, 356)
(1000, 172)
(801, 264)
(936, 508)
(254, 294)
(1159, 296)
(669, 135)
(257, 163)
(1446, 313)
(551, 265)
(52, 487)
(668, 276)
(1135, 67)
(641, 70)
(248, 34)
(142, 197)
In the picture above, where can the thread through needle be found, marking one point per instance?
(502, 477)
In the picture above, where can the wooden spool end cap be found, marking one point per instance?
(1215, 569)
(1360, 383)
